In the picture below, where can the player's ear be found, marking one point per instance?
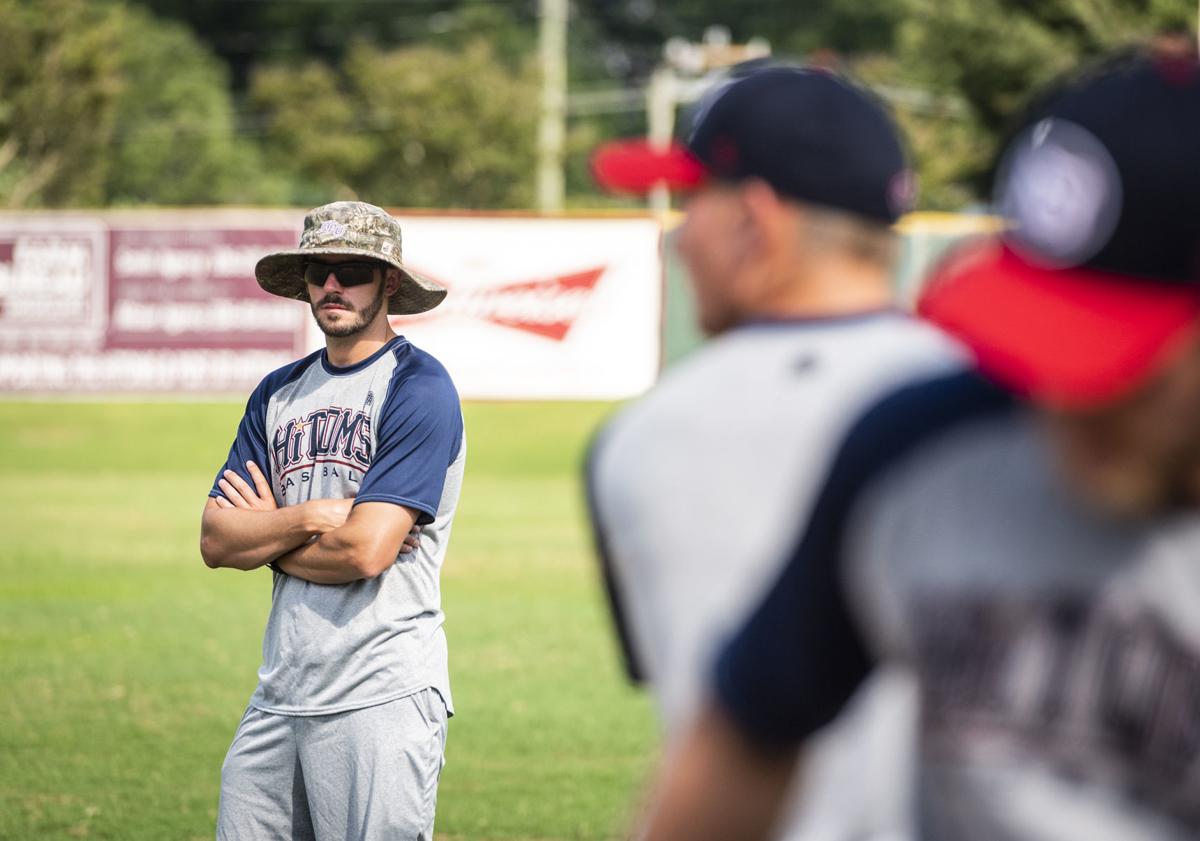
(391, 281)
(763, 215)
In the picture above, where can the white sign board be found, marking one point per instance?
(539, 308)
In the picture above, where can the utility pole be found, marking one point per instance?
(661, 97)
(552, 38)
(687, 72)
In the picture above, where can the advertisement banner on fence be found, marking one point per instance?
(166, 302)
(53, 285)
(194, 288)
(540, 308)
(161, 303)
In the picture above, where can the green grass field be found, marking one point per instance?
(125, 664)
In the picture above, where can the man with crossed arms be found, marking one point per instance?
(338, 458)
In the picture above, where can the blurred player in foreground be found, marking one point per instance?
(338, 457)
(1027, 537)
(795, 178)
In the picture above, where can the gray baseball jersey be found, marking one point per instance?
(1058, 650)
(698, 489)
(387, 429)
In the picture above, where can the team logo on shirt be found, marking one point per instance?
(333, 436)
(1101, 691)
(547, 307)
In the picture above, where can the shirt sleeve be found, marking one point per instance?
(250, 443)
(419, 436)
(801, 655)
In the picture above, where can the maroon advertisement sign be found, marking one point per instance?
(120, 305)
(52, 285)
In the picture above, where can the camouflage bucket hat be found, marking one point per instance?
(352, 229)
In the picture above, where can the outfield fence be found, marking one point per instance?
(165, 301)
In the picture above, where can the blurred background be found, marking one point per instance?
(436, 103)
(151, 152)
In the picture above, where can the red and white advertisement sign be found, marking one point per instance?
(166, 302)
(540, 308)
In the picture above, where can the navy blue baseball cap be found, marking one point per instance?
(1096, 282)
(810, 134)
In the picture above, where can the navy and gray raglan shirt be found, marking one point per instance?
(386, 429)
(695, 491)
(1057, 650)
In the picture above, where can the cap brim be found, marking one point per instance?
(1071, 338)
(638, 166)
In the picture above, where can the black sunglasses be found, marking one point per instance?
(347, 274)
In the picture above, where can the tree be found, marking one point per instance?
(987, 57)
(433, 103)
(59, 83)
(312, 131)
(174, 135)
(101, 103)
(639, 28)
(248, 35)
(452, 129)
(416, 126)
(956, 70)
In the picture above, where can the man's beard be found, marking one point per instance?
(344, 329)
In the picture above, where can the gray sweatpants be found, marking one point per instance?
(366, 774)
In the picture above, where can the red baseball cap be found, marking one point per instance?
(1096, 283)
(1072, 339)
(638, 166)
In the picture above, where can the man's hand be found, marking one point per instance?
(239, 494)
(412, 541)
(245, 529)
(320, 515)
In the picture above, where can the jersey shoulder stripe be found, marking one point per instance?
(418, 433)
(425, 380)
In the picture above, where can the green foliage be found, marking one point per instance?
(127, 663)
(513, 42)
(59, 84)
(311, 130)
(174, 138)
(102, 104)
(416, 126)
(456, 130)
(434, 104)
(989, 57)
(248, 34)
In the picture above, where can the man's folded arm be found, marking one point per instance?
(243, 538)
(364, 547)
